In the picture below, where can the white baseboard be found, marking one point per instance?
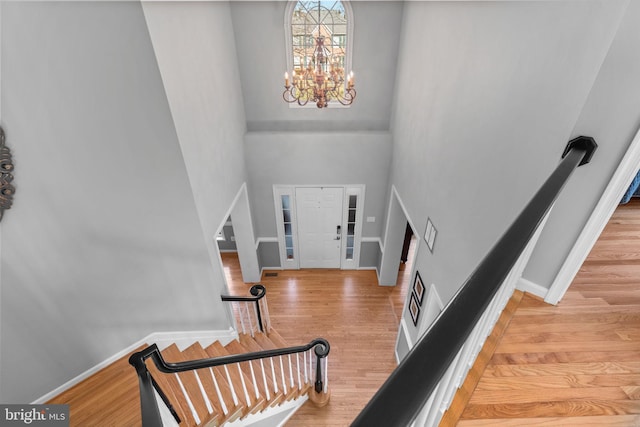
(162, 339)
(525, 285)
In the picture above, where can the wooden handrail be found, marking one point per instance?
(258, 292)
(150, 412)
(406, 391)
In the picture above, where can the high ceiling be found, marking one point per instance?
(260, 43)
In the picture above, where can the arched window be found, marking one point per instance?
(310, 23)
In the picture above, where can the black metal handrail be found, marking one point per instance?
(258, 292)
(406, 391)
(150, 412)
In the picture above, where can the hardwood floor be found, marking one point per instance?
(110, 398)
(359, 319)
(577, 363)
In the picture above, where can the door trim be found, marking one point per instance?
(290, 190)
(286, 263)
(599, 218)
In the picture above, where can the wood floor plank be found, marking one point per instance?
(563, 357)
(541, 382)
(578, 368)
(612, 333)
(110, 396)
(581, 346)
(610, 421)
(510, 395)
(544, 409)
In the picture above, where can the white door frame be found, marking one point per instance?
(0, 226)
(599, 218)
(290, 190)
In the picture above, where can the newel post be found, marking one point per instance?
(320, 394)
(148, 405)
(258, 291)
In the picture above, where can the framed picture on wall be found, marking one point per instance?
(414, 309)
(418, 288)
(430, 235)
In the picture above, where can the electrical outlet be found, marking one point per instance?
(371, 219)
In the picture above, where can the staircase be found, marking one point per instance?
(111, 396)
(235, 383)
(223, 394)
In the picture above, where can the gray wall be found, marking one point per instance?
(103, 245)
(370, 255)
(198, 64)
(612, 116)
(489, 122)
(229, 244)
(269, 255)
(292, 158)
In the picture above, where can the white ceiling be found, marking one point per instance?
(260, 43)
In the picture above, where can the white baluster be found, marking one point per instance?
(264, 378)
(311, 377)
(234, 396)
(273, 375)
(244, 331)
(223, 405)
(244, 386)
(326, 375)
(298, 370)
(291, 382)
(306, 371)
(284, 382)
(246, 306)
(253, 378)
(188, 399)
(205, 396)
(255, 313)
(266, 313)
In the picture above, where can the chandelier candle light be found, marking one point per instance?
(322, 84)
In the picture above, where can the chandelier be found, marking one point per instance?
(321, 84)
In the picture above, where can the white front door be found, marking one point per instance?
(319, 212)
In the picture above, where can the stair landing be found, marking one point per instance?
(110, 397)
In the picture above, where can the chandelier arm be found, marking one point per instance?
(290, 98)
(347, 98)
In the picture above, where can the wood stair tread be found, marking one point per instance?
(277, 339)
(190, 384)
(274, 397)
(113, 392)
(233, 411)
(252, 402)
(281, 364)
